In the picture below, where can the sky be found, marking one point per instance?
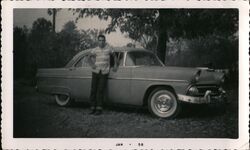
(28, 16)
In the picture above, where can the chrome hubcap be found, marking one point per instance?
(63, 98)
(163, 103)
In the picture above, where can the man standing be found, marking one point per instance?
(100, 71)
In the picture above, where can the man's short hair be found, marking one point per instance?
(101, 36)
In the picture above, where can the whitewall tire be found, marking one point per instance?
(63, 100)
(163, 103)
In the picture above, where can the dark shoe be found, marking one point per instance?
(98, 112)
(92, 112)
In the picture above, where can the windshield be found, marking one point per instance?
(143, 58)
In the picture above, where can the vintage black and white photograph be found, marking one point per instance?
(154, 73)
(134, 73)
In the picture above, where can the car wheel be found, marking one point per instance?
(63, 100)
(163, 103)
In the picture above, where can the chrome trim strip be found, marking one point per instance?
(149, 79)
(191, 99)
(202, 100)
(131, 66)
(117, 78)
(67, 77)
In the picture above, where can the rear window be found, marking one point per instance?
(138, 58)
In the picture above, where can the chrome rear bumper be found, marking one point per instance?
(206, 99)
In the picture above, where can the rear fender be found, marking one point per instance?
(61, 90)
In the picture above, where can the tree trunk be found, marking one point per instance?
(161, 45)
(54, 20)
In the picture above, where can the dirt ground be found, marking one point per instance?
(36, 115)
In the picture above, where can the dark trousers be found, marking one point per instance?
(98, 85)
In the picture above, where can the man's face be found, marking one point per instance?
(101, 42)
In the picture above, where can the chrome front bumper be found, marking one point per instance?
(206, 99)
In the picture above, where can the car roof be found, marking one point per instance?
(128, 49)
(116, 49)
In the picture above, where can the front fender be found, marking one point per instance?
(175, 87)
(178, 87)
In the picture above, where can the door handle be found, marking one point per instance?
(72, 68)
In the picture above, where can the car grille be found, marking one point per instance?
(203, 88)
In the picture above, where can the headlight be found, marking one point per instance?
(196, 77)
(193, 91)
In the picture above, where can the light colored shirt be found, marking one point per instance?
(102, 59)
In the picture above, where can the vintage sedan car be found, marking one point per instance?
(141, 79)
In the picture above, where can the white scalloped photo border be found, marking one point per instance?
(8, 142)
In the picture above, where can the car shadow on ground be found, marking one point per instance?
(188, 110)
(202, 111)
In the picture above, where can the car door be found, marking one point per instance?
(119, 87)
(140, 74)
(79, 78)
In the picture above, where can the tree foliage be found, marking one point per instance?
(40, 47)
(162, 24)
(137, 23)
(200, 52)
(20, 50)
(185, 37)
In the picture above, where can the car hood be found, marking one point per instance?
(178, 74)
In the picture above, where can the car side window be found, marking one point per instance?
(142, 59)
(83, 62)
(130, 60)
